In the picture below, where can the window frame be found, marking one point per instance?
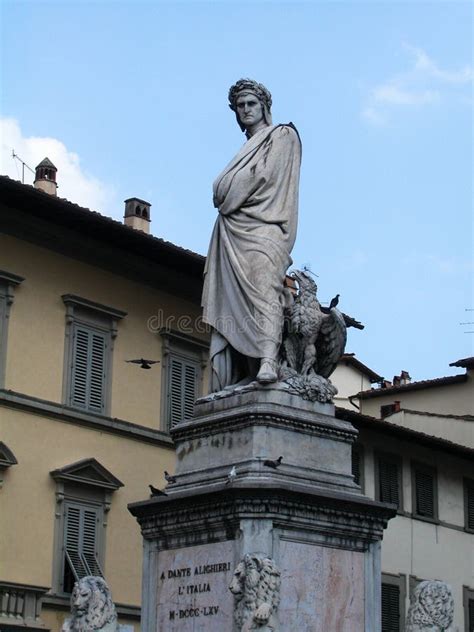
(418, 466)
(86, 484)
(85, 315)
(467, 596)
(8, 284)
(398, 462)
(185, 349)
(468, 488)
(358, 448)
(400, 582)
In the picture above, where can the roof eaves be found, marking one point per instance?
(413, 386)
(465, 363)
(350, 358)
(71, 211)
(380, 425)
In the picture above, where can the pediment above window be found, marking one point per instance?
(87, 472)
(7, 458)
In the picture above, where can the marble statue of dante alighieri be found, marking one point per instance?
(257, 201)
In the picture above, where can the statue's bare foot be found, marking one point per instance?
(268, 371)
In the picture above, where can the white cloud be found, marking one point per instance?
(75, 184)
(425, 64)
(396, 95)
(423, 84)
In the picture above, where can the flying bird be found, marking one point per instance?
(156, 492)
(169, 478)
(273, 464)
(144, 364)
(232, 475)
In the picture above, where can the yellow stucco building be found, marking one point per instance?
(83, 431)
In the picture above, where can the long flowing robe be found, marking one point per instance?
(257, 200)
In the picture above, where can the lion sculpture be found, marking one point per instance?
(256, 590)
(92, 607)
(431, 608)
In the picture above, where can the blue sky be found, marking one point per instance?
(130, 99)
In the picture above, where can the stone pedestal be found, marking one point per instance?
(307, 515)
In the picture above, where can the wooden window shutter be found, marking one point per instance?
(471, 615)
(182, 390)
(424, 493)
(88, 369)
(389, 483)
(470, 506)
(89, 541)
(3, 314)
(390, 608)
(81, 540)
(356, 464)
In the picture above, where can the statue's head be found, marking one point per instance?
(91, 606)
(254, 98)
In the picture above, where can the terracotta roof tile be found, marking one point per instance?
(413, 386)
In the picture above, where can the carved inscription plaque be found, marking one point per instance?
(193, 589)
(322, 589)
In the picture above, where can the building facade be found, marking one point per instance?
(102, 350)
(416, 449)
(84, 300)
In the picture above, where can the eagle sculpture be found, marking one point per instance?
(315, 337)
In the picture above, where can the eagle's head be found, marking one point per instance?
(305, 281)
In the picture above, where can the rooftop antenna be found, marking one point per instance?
(306, 268)
(469, 322)
(23, 165)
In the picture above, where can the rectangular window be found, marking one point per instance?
(91, 329)
(8, 283)
(469, 505)
(183, 361)
(81, 543)
(358, 464)
(88, 369)
(468, 604)
(182, 389)
(388, 479)
(390, 608)
(424, 492)
(393, 602)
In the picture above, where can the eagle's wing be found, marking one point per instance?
(292, 337)
(331, 342)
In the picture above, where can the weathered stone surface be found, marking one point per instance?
(92, 607)
(193, 588)
(431, 608)
(307, 515)
(247, 428)
(314, 577)
(257, 201)
(256, 590)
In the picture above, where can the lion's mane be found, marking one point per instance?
(432, 607)
(92, 607)
(256, 581)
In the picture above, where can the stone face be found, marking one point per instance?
(92, 607)
(193, 588)
(315, 576)
(431, 608)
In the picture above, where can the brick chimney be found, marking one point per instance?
(402, 380)
(137, 214)
(45, 177)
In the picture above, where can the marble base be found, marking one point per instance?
(307, 515)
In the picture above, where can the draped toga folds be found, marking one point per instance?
(257, 199)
